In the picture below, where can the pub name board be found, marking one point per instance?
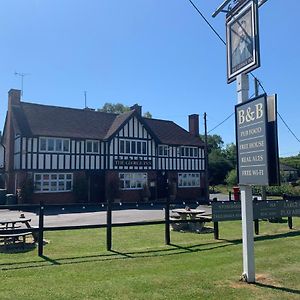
(251, 137)
(231, 210)
(133, 162)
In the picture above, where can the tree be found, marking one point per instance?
(219, 166)
(220, 160)
(148, 115)
(231, 178)
(292, 161)
(213, 142)
(230, 154)
(119, 108)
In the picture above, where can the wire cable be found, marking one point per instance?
(206, 21)
(221, 123)
(220, 38)
(290, 130)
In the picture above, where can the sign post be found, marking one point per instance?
(243, 56)
(246, 201)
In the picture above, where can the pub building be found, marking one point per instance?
(66, 155)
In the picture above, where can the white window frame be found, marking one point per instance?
(133, 181)
(189, 180)
(130, 142)
(186, 149)
(94, 143)
(163, 150)
(52, 182)
(55, 143)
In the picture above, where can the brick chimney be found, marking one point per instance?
(194, 124)
(14, 97)
(137, 108)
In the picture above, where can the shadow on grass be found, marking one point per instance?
(173, 249)
(17, 248)
(267, 237)
(113, 255)
(279, 288)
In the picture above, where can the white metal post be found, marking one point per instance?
(246, 201)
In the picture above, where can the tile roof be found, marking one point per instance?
(44, 120)
(170, 133)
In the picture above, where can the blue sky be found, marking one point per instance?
(158, 53)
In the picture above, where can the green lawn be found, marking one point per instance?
(77, 266)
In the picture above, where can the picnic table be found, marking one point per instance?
(8, 225)
(188, 214)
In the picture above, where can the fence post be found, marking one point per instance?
(108, 225)
(167, 222)
(256, 226)
(41, 229)
(216, 230)
(216, 224)
(290, 222)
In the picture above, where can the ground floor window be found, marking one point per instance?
(186, 180)
(132, 181)
(53, 182)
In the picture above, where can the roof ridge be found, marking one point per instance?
(69, 108)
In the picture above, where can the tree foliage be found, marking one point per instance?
(219, 166)
(221, 160)
(292, 161)
(119, 108)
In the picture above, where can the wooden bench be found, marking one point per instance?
(204, 218)
(10, 238)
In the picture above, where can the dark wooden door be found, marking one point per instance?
(97, 187)
(162, 184)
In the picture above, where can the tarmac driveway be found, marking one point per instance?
(83, 217)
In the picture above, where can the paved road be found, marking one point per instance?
(83, 217)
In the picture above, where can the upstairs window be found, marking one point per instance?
(54, 145)
(188, 151)
(163, 150)
(92, 147)
(133, 147)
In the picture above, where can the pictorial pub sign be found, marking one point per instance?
(242, 39)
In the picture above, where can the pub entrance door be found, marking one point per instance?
(96, 183)
(162, 185)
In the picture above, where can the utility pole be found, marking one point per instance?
(206, 159)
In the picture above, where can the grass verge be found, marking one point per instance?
(77, 266)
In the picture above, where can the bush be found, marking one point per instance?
(278, 190)
(231, 178)
(26, 191)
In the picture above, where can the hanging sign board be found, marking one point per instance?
(242, 39)
(251, 137)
